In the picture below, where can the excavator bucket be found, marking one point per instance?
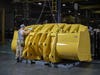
(54, 42)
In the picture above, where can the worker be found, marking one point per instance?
(20, 42)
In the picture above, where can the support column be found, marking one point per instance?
(3, 26)
(58, 11)
(76, 12)
(86, 16)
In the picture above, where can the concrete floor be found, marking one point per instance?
(8, 66)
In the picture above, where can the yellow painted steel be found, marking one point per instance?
(54, 42)
(14, 41)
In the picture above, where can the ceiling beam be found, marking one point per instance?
(89, 6)
(46, 0)
(72, 0)
(96, 12)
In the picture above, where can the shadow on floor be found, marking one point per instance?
(8, 66)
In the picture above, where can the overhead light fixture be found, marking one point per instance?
(69, 11)
(76, 6)
(79, 14)
(63, 5)
(39, 3)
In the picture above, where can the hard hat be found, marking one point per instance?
(22, 25)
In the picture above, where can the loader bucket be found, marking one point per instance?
(54, 42)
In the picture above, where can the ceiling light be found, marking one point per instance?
(79, 14)
(63, 5)
(39, 3)
(69, 11)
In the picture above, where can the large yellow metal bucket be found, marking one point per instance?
(54, 42)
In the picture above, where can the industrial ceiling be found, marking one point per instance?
(83, 4)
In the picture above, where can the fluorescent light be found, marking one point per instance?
(39, 3)
(63, 5)
(69, 11)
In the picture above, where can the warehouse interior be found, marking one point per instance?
(13, 13)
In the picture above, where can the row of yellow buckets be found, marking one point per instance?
(54, 42)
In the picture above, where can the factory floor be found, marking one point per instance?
(8, 66)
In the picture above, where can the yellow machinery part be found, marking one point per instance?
(29, 44)
(66, 28)
(14, 41)
(53, 56)
(54, 42)
(43, 38)
(47, 47)
(35, 44)
(74, 46)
